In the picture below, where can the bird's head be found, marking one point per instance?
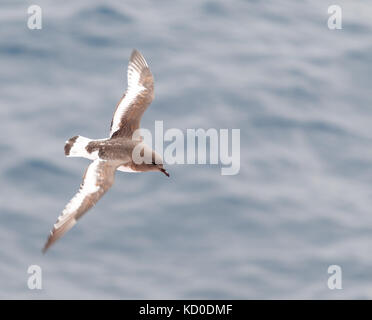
(157, 163)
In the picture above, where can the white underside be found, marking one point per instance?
(125, 169)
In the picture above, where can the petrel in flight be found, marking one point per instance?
(114, 153)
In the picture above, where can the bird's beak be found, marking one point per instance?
(164, 171)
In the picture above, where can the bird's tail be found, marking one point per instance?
(76, 147)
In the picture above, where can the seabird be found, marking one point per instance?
(114, 153)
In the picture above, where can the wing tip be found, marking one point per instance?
(46, 246)
(57, 233)
(137, 58)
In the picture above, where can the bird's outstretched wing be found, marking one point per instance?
(137, 98)
(98, 178)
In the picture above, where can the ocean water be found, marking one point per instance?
(300, 95)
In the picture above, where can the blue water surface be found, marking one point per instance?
(300, 95)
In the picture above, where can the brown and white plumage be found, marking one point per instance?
(136, 99)
(98, 178)
(114, 153)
